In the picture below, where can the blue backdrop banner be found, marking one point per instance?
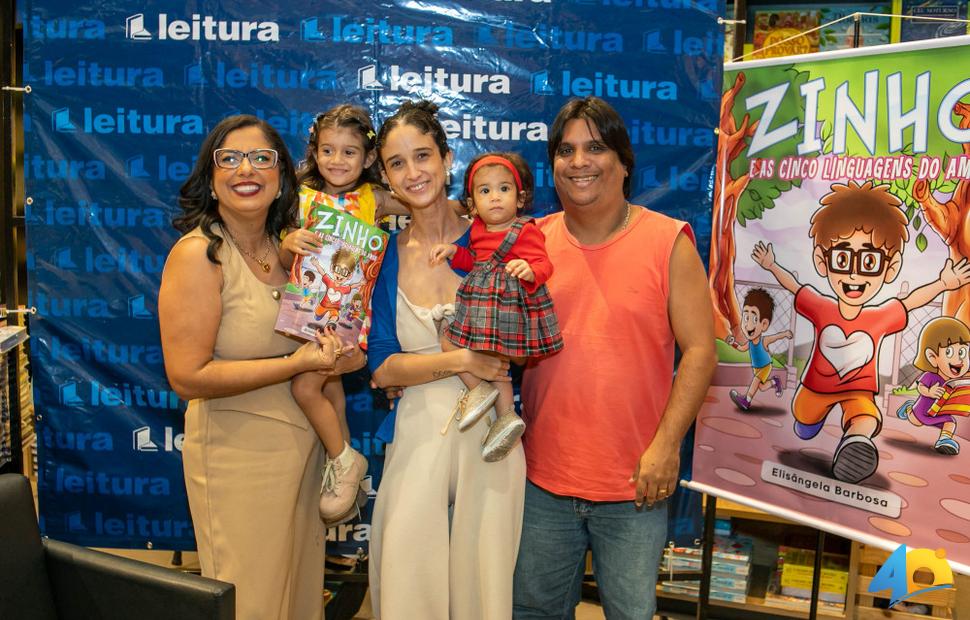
(123, 94)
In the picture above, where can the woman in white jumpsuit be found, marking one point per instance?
(446, 525)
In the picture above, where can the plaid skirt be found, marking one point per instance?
(494, 313)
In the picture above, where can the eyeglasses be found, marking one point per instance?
(260, 159)
(863, 262)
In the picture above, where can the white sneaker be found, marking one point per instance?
(356, 511)
(341, 486)
(476, 402)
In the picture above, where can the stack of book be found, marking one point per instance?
(791, 585)
(730, 569)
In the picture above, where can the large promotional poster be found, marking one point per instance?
(122, 96)
(839, 277)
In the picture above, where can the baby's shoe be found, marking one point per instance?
(341, 485)
(475, 403)
(501, 436)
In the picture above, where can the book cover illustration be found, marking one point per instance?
(772, 27)
(331, 288)
(918, 29)
(873, 29)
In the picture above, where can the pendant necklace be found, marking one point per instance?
(261, 261)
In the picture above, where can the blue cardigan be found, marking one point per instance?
(382, 340)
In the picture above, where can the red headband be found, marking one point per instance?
(494, 160)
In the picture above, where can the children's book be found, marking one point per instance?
(331, 289)
(917, 29)
(955, 400)
(839, 30)
(773, 27)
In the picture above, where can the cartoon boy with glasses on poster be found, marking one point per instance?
(858, 236)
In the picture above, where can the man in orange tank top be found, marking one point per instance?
(606, 415)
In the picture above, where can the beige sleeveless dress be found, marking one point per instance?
(252, 466)
(446, 524)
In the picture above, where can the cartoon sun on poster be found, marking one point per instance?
(839, 275)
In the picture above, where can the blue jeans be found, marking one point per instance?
(556, 531)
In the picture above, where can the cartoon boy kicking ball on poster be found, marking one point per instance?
(858, 236)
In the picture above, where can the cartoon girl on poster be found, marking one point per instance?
(944, 355)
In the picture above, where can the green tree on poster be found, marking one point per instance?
(737, 197)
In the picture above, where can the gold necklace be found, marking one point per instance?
(261, 261)
(626, 218)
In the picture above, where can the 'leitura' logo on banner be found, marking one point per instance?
(898, 573)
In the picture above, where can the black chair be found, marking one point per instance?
(45, 579)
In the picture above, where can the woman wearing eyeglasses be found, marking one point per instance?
(251, 460)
